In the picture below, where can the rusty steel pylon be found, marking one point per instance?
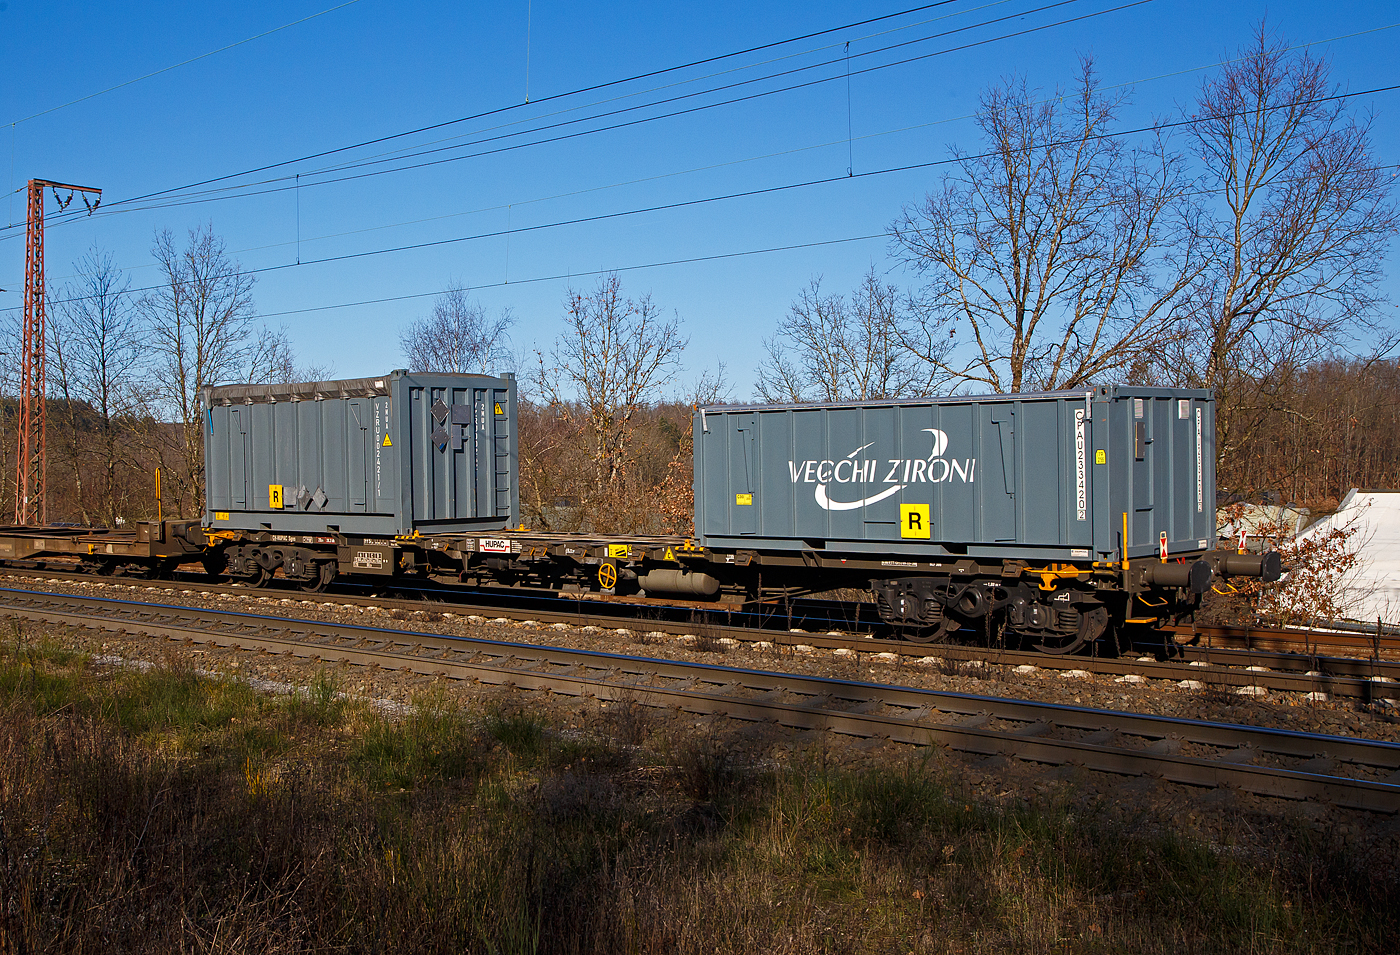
(31, 464)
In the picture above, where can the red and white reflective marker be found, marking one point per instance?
(1244, 536)
(1163, 541)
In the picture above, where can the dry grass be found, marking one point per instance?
(165, 812)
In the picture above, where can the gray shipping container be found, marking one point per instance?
(379, 457)
(1038, 476)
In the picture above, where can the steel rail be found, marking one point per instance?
(1285, 638)
(1193, 752)
(1224, 669)
(1364, 680)
(1198, 640)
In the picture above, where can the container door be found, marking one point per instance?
(743, 506)
(357, 439)
(1143, 528)
(500, 438)
(482, 460)
(238, 457)
(998, 487)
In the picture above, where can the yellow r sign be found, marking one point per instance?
(913, 521)
(274, 496)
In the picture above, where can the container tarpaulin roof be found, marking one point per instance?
(299, 391)
(1372, 587)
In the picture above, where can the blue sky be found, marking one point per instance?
(372, 68)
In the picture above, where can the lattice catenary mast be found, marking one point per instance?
(31, 477)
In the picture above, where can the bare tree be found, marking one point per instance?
(1055, 256)
(614, 356)
(202, 331)
(271, 360)
(711, 388)
(457, 336)
(1296, 235)
(96, 343)
(675, 494)
(831, 349)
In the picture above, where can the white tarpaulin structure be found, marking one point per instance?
(1372, 587)
(1260, 522)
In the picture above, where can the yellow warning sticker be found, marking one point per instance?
(387, 442)
(669, 555)
(913, 521)
(274, 496)
(221, 515)
(619, 550)
(1100, 457)
(743, 499)
(498, 408)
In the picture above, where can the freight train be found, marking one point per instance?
(1053, 520)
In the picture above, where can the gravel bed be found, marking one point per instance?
(1192, 698)
(1234, 822)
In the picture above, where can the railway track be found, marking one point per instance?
(1228, 669)
(1353, 773)
(1285, 639)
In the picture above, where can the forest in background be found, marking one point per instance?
(1237, 247)
(1336, 427)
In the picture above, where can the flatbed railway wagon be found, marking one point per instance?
(1053, 516)
(1052, 520)
(321, 478)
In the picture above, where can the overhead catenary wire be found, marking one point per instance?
(555, 96)
(421, 150)
(768, 190)
(632, 212)
(297, 181)
(1130, 83)
(632, 94)
(249, 189)
(575, 273)
(815, 146)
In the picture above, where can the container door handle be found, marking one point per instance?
(1006, 431)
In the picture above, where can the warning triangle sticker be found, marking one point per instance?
(669, 555)
(387, 442)
(498, 408)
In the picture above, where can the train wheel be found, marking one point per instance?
(258, 578)
(325, 573)
(1092, 624)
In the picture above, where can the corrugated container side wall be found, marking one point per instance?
(982, 476)
(1161, 474)
(371, 456)
(475, 474)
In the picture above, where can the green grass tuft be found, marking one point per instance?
(521, 734)
(167, 811)
(436, 743)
